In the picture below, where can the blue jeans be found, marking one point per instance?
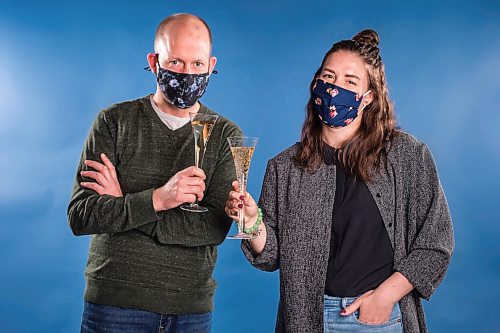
(102, 318)
(334, 322)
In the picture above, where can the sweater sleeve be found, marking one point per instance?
(179, 227)
(268, 259)
(431, 250)
(91, 213)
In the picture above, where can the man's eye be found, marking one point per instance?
(351, 82)
(328, 76)
(174, 62)
(198, 64)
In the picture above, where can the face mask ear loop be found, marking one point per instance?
(157, 64)
(214, 71)
(366, 93)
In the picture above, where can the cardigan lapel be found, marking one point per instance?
(315, 193)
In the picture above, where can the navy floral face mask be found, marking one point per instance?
(180, 89)
(335, 106)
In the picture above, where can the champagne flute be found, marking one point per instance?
(202, 125)
(242, 149)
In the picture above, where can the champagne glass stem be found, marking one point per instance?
(241, 211)
(197, 152)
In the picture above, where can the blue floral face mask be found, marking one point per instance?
(335, 106)
(180, 89)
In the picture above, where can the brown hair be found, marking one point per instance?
(366, 150)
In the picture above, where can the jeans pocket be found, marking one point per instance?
(394, 320)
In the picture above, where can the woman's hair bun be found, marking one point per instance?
(367, 36)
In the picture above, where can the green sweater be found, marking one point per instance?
(137, 258)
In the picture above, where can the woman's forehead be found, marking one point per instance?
(342, 62)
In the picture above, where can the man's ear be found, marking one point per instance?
(152, 61)
(211, 65)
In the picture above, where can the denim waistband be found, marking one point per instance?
(338, 302)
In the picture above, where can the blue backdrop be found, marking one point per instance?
(63, 61)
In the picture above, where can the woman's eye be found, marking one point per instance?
(328, 76)
(351, 82)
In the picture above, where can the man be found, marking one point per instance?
(150, 263)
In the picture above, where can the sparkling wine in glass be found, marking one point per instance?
(202, 125)
(242, 149)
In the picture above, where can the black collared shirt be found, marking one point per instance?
(361, 256)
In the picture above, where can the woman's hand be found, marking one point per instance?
(238, 203)
(106, 179)
(373, 309)
(375, 306)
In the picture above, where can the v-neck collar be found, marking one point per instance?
(152, 113)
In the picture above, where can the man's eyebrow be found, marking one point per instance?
(329, 70)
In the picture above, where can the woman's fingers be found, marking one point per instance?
(232, 213)
(236, 186)
(234, 204)
(234, 195)
(355, 305)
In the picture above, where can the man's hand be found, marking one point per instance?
(105, 177)
(184, 186)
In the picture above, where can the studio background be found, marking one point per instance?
(61, 62)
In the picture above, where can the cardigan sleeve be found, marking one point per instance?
(430, 251)
(268, 259)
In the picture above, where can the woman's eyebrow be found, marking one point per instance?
(352, 76)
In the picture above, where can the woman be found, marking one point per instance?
(353, 215)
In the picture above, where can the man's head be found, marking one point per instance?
(182, 61)
(183, 44)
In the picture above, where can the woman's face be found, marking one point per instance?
(346, 70)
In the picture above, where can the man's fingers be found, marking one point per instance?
(192, 181)
(93, 186)
(109, 165)
(191, 185)
(191, 190)
(187, 198)
(193, 171)
(95, 165)
(97, 176)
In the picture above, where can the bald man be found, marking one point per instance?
(150, 262)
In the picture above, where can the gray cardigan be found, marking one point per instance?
(297, 207)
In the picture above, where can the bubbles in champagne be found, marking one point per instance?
(202, 128)
(242, 157)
